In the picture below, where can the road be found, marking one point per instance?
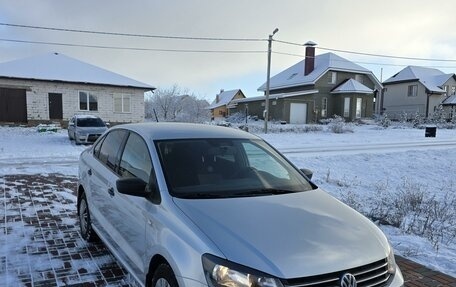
(338, 149)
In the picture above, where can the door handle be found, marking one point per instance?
(111, 191)
(89, 172)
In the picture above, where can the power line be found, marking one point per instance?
(133, 35)
(370, 54)
(196, 38)
(365, 63)
(387, 56)
(136, 48)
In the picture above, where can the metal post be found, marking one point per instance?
(266, 104)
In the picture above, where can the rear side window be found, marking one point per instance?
(135, 160)
(109, 151)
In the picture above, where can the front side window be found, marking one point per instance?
(202, 168)
(109, 150)
(122, 103)
(135, 161)
(412, 90)
(88, 101)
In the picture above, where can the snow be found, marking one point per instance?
(361, 165)
(58, 67)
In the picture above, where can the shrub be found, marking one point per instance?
(337, 125)
(385, 122)
(414, 209)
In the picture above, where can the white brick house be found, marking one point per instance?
(54, 87)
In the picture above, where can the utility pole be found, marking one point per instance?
(266, 104)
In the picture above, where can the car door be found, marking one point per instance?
(102, 179)
(131, 211)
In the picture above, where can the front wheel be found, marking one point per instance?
(85, 222)
(164, 277)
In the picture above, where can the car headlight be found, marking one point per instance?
(220, 272)
(391, 261)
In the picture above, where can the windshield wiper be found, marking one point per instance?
(264, 191)
(201, 195)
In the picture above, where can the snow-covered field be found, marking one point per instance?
(361, 168)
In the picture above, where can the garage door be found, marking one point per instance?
(298, 113)
(13, 105)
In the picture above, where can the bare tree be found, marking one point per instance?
(176, 104)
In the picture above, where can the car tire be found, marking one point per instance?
(85, 223)
(163, 277)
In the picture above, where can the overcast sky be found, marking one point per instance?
(410, 28)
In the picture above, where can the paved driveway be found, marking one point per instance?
(41, 245)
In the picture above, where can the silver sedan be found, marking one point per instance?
(199, 205)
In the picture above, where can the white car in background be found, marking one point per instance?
(186, 205)
(85, 129)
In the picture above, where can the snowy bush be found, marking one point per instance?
(337, 125)
(236, 118)
(385, 122)
(438, 117)
(417, 120)
(403, 118)
(413, 208)
(279, 128)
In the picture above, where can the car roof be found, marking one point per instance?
(166, 130)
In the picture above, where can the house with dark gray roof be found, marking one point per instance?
(419, 90)
(53, 87)
(316, 88)
(220, 106)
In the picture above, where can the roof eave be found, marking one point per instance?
(146, 88)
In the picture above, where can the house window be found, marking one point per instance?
(412, 90)
(332, 77)
(88, 102)
(324, 107)
(445, 88)
(122, 103)
(359, 102)
(359, 78)
(453, 90)
(346, 107)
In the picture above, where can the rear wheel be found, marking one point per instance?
(164, 277)
(85, 222)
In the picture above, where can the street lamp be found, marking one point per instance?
(266, 104)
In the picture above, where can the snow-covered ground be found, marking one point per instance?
(359, 168)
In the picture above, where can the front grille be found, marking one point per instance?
(370, 275)
(92, 138)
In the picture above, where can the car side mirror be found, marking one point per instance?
(307, 172)
(107, 124)
(137, 187)
(132, 186)
(71, 124)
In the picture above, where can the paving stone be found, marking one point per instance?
(56, 255)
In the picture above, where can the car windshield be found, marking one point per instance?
(213, 168)
(90, 122)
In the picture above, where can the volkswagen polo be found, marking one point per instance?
(200, 205)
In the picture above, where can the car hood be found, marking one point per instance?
(288, 236)
(91, 130)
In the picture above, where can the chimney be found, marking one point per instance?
(217, 99)
(309, 62)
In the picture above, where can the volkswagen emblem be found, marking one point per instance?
(348, 280)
